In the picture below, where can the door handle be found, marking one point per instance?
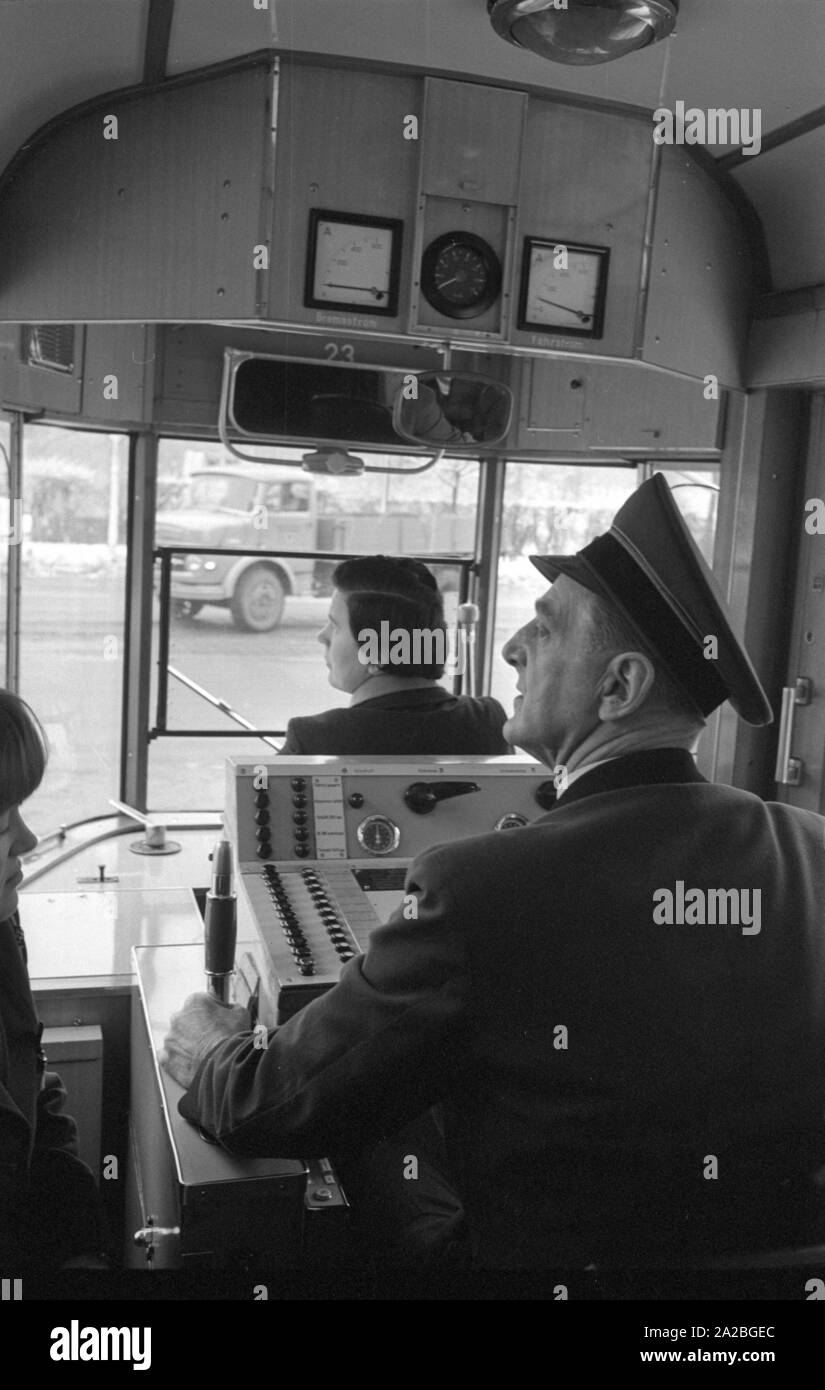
(151, 1235)
(789, 770)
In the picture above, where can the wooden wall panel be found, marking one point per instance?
(585, 178)
(471, 141)
(787, 351)
(644, 412)
(127, 351)
(341, 147)
(611, 407)
(760, 535)
(700, 276)
(786, 187)
(158, 224)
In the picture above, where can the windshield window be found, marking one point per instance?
(75, 497)
(246, 631)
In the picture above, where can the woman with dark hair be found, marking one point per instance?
(385, 643)
(48, 1199)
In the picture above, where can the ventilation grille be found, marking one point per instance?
(49, 345)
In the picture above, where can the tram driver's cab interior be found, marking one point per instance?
(327, 342)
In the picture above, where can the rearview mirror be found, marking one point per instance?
(448, 409)
(275, 399)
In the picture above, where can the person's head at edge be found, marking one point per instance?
(23, 755)
(370, 591)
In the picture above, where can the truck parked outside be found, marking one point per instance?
(261, 507)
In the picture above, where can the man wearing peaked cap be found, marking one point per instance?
(620, 1007)
(650, 568)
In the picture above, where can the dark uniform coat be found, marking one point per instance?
(48, 1200)
(426, 720)
(613, 1085)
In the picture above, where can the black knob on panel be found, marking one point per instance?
(261, 798)
(298, 783)
(301, 851)
(300, 833)
(262, 817)
(356, 800)
(299, 801)
(265, 850)
(299, 817)
(546, 795)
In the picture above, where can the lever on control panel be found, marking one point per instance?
(423, 797)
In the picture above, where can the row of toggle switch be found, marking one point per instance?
(290, 923)
(300, 830)
(336, 931)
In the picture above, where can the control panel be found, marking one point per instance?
(323, 846)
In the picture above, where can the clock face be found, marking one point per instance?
(563, 288)
(352, 262)
(460, 275)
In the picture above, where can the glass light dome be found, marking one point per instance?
(587, 31)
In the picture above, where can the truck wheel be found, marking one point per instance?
(258, 601)
(185, 607)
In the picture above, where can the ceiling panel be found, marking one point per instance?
(787, 188)
(765, 53)
(55, 53)
(454, 36)
(211, 31)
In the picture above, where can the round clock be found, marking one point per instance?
(460, 275)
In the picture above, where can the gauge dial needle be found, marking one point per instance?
(442, 284)
(369, 289)
(566, 307)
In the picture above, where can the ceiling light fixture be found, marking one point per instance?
(581, 32)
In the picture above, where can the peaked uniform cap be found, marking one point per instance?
(649, 567)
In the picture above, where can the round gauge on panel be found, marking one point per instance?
(378, 835)
(353, 262)
(513, 820)
(563, 287)
(460, 275)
